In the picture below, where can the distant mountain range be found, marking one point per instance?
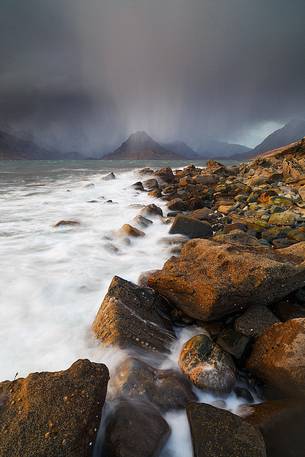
(140, 146)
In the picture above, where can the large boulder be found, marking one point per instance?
(134, 429)
(207, 365)
(278, 356)
(166, 389)
(133, 316)
(53, 414)
(282, 424)
(210, 279)
(219, 433)
(192, 228)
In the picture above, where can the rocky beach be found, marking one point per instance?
(222, 319)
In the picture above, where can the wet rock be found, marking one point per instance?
(210, 280)
(66, 223)
(255, 321)
(53, 414)
(287, 309)
(151, 210)
(146, 171)
(134, 429)
(138, 186)
(207, 365)
(109, 177)
(192, 228)
(233, 342)
(129, 230)
(219, 433)
(282, 424)
(151, 184)
(245, 394)
(176, 204)
(166, 175)
(278, 357)
(166, 389)
(155, 193)
(142, 221)
(133, 316)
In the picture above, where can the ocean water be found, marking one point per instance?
(52, 280)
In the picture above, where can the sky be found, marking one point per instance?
(82, 75)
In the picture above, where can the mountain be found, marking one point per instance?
(211, 148)
(292, 151)
(181, 148)
(140, 146)
(291, 132)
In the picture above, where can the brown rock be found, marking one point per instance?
(166, 175)
(129, 230)
(134, 429)
(53, 414)
(207, 365)
(190, 227)
(210, 279)
(278, 357)
(219, 433)
(176, 204)
(233, 342)
(151, 210)
(133, 316)
(166, 389)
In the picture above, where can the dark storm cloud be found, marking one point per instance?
(98, 69)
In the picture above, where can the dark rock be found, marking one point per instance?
(166, 389)
(255, 321)
(109, 177)
(203, 214)
(207, 365)
(286, 310)
(233, 342)
(242, 392)
(278, 357)
(177, 204)
(300, 295)
(282, 424)
(142, 221)
(210, 280)
(133, 316)
(219, 433)
(151, 210)
(53, 414)
(134, 429)
(166, 175)
(66, 224)
(190, 227)
(151, 184)
(138, 186)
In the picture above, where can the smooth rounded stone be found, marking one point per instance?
(53, 414)
(66, 223)
(233, 342)
(192, 228)
(282, 424)
(109, 177)
(177, 204)
(129, 230)
(219, 433)
(278, 357)
(287, 309)
(134, 429)
(138, 186)
(255, 321)
(133, 317)
(212, 279)
(207, 365)
(150, 184)
(166, 389)
(151, 210)
(142, 221)
(284, 218)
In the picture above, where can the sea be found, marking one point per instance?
(53, 280)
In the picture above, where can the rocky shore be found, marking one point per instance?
(237, 275)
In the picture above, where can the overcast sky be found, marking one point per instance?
(85, 73)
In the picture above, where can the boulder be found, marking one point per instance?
(151, 210)
(204, 214)
(138, 186)
(166, 175)
(150, 184)
(166, 389)
(176, 204)
(282, 424)
(142, 221)
(192, 228)
(255, 321)
(129, 230)
(210, 279)
(207, 365)
(134, 429)
(53, 414)
(233, 342)
(219, 433)
(283, 218)
(278, 357)
(133, 316)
